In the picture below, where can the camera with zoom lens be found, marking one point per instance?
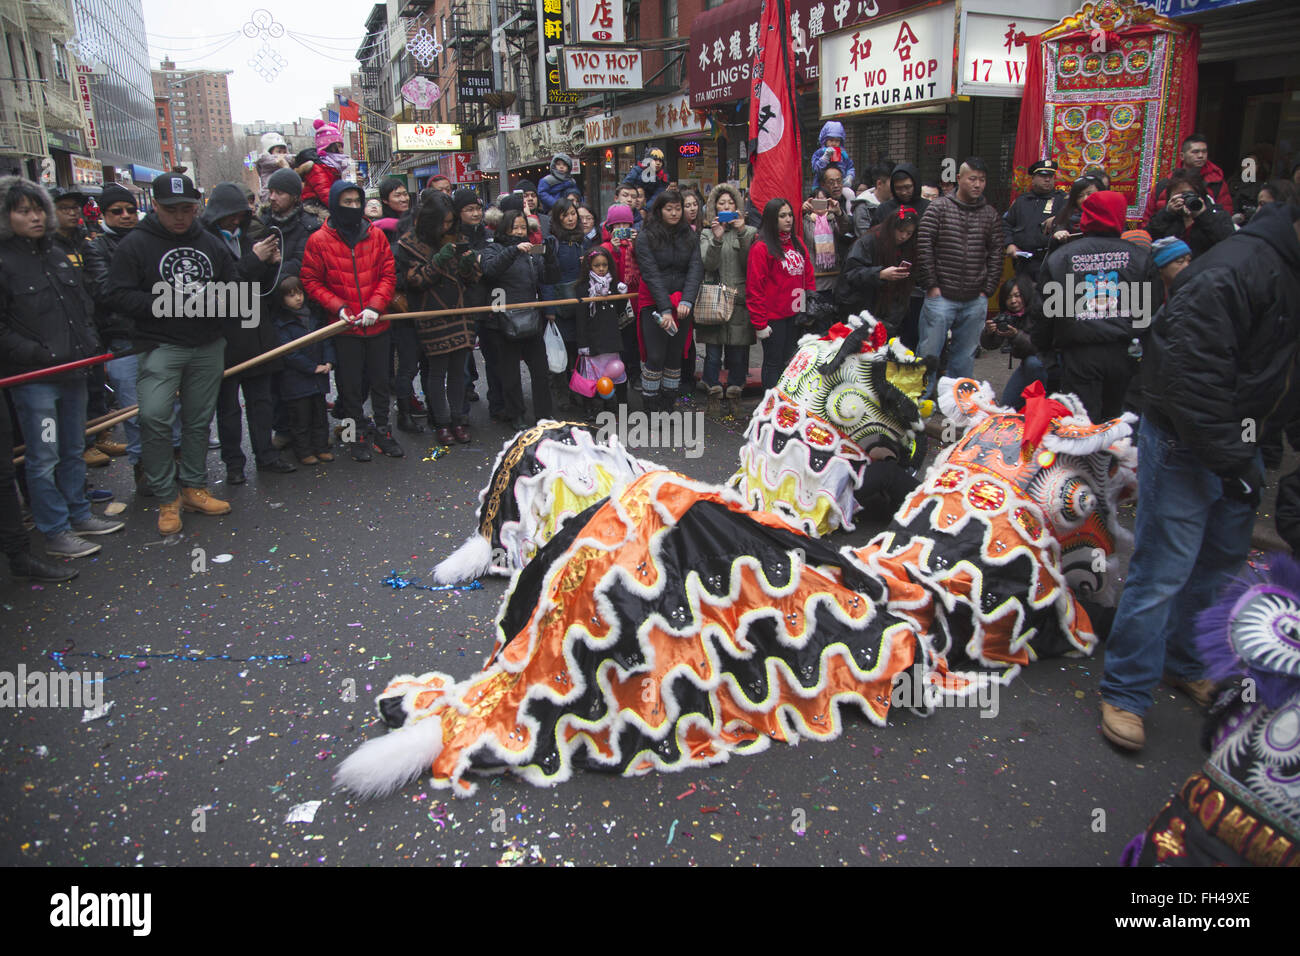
(1193, 203)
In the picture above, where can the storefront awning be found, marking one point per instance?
(414, 161)
(723, 42)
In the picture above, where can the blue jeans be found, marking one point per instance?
(966, 320)
(1029, 370)
(1189, 539)
(53, 420)
(122, 375)
(737, 364)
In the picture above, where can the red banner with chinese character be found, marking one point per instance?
(774, 149)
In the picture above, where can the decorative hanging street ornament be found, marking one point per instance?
(87, 48)
(262, 24)
(421, 91)
(423, 47)
(268, 62)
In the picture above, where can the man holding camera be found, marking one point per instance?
(1190, 215)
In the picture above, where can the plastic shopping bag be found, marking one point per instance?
(557, 356)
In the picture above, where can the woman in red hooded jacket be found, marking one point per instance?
(348, 271)
(779, 277)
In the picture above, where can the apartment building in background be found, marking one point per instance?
(203, 136)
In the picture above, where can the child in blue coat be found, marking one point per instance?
(831, 150)
(305, 378)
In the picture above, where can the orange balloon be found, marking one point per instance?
(604, 386)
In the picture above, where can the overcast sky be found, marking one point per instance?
(191, 32)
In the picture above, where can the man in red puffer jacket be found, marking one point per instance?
(1195, 157)
(348, 271)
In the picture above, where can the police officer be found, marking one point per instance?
(1023, 222)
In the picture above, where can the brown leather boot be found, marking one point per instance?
(94, 458)
(169, 517)
(198, 499)
(1200, 691)
(1122, 728)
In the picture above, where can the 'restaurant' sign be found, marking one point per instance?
(725, 39)
(994, 52)
(906, 61)
(602, 68)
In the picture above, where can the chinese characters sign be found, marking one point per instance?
(550, 34)
(903, 62)
(427, 136)
(600, 21)
(667, 117)
(993, 53)
(466, 169)
(725, 41)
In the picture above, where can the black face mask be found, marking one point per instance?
(346, 221)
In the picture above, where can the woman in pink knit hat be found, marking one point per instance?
(331, 163)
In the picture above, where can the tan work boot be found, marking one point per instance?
(1122, 728)
(1200, 691)
(715, 400)
(114, 449)
(198, 499)
(169, 517)
(94, 458)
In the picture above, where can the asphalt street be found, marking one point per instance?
(230, 707)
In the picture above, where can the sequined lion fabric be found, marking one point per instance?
(847, 399)
(544, 475)
(670, 626)
(1243, 807)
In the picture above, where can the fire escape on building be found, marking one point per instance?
(471, 39)
(35, 103)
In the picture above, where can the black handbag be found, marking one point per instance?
(819, 312)
(519, 324)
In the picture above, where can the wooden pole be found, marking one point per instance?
(334, 328)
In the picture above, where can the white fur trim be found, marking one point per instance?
(471, 560)
(384, 764)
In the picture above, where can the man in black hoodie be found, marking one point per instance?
(175, 280)
(257, 261)
(905, 187)
(1215, 369)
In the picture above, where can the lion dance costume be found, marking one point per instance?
(669, 626)
(1243, 807)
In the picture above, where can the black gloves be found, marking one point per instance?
(1244, 485)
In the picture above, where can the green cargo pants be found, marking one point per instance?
(196, 374)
